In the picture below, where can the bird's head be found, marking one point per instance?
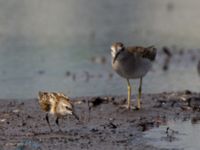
(42, 94)
(116, 49)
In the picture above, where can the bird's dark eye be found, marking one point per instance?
(120, 44)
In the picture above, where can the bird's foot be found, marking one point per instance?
(132, 107)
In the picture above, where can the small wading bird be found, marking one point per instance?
(56, 104)
(132, 63)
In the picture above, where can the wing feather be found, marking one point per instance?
(145, 52)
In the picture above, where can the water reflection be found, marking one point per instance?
(180, 135)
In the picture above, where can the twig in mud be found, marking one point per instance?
(171, 133)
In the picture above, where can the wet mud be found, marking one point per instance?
(104, 124)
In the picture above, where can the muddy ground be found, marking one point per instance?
(107, 126)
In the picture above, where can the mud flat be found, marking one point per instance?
(107, 126)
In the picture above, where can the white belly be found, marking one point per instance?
(132, 67)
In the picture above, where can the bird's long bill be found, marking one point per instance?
(76, 116)
(114, 59)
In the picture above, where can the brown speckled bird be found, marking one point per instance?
(132, 63)
(56, 104)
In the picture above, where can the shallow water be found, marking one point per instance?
(185, 136)
(52, 45)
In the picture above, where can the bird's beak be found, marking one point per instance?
(115, 58)
(76, 116)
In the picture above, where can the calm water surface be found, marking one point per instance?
(56, 45)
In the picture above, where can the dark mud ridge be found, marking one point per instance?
(104, 123)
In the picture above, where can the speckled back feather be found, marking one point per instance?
(44, 101)
(145, 52)
(63, 101)
(55, 103)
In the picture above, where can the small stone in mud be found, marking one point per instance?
(23, 124)
(194, 103)
(146, 125)
(16, 111)
(130, 134)
(3, 120)
(196, 108)
(96, 102)
(188, 92)
(195, 119)
(112, 125)
(185, 108)
(160, 103)
(29, 117)
(94, 130)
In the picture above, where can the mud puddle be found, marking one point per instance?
(176, 134)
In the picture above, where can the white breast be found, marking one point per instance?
(64, 108)
(131, 66)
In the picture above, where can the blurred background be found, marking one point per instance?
(64, 45)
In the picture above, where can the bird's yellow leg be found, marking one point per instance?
(129, 95)
(139, 94)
